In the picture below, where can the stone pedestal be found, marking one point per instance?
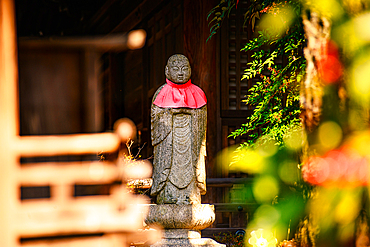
(182, 224)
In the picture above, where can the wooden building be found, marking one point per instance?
(87, 90)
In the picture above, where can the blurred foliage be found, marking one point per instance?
(277, 190)
(275, 137)
(324, 199)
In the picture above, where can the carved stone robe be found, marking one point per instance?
(179, 141)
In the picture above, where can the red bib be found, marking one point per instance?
(174, 95)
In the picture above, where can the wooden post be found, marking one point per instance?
(8, 122)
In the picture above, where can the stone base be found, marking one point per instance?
(182, 224)
(187, 242)
(174, 216)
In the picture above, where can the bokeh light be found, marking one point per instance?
(265, 188)
(266, 148)
(360, 142)
(338, 207)
(341, 168)
(295, 139)
(136, 39)
(288, 172)
(330, 134)
(262, 238)
(360, 80)
(347, 208)
(347, 37)
(266, 216)
(360, 22)
(125, 128)
(278, 20)
(329, 8)
(136, 169)
(330, 66)
(248, 161)
(315, 170)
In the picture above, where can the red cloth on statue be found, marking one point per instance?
(174, 95)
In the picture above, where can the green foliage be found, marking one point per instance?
(275, 97)
(219, 12)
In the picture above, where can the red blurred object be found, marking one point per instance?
(329, 66)
(342, 167)
(315, 170)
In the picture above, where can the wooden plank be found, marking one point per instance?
(139, 238)
(238, 219)
(33, 146)
(235, 207)
(211, 232)
(89, 241)
(68, 173)
(79, 216)
(214, 182)
(236, 113)
(233, 122)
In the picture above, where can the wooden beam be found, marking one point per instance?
(112, 42)
(235, 207)
(227, 182)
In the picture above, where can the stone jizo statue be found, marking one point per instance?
(178, 130)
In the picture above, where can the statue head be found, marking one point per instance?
(178, 69)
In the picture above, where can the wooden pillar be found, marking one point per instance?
(9, 126)
(202, 57)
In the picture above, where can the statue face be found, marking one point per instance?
(178, 69)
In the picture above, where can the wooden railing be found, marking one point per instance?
(61, 219)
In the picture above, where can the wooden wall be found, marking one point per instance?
(131, 78)
(59, 91)
(203, 59)
(84, 91)
(69, 90)
(180, 26)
